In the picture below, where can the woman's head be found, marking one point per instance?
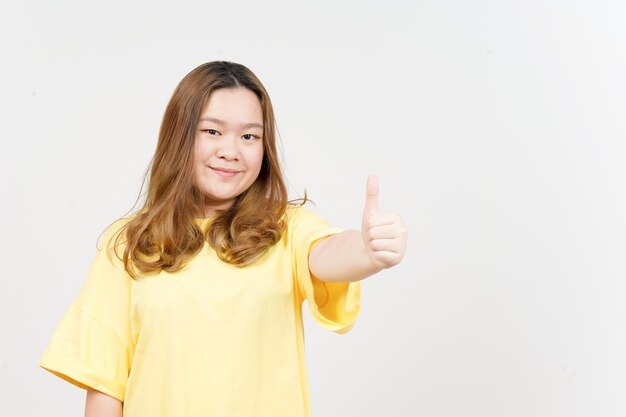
(215, 157)
(216, 90)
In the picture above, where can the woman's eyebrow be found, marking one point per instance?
(221, 122)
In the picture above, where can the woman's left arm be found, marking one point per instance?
(353, 255)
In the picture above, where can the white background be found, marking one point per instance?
(497, 130)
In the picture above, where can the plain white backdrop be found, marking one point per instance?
(497, 130)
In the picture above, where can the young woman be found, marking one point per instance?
(193, 306)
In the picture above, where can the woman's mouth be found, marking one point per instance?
(224, 173)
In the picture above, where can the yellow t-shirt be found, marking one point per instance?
(210, 340)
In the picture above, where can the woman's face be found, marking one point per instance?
(228, 147)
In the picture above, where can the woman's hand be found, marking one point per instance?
(384, 234)
(353, 255)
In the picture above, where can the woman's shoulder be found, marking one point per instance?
(111, 232)
(296, 212)
(300, 216)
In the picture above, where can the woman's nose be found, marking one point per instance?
(227, 149)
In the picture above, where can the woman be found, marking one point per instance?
(196, 310)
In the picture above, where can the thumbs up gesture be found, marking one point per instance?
(384, 234)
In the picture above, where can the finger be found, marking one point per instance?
(383, 232)
(388, 259)
(387, 245)
(381, 219)
(371, 194)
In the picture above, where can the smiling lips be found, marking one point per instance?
(224, 172)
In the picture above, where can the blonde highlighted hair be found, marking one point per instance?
(164, 235)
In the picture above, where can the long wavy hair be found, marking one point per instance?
(164, 234)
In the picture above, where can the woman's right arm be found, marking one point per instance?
(99, 404)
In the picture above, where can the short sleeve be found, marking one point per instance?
(333, 305)
(92, 345)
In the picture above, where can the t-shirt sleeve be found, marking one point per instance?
(92, 345)
(333, 305)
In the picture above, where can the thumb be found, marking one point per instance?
(371, 194)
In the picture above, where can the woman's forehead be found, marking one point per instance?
(236, 107)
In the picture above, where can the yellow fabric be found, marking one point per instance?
(211, 340)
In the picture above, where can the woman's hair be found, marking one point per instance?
(163, 235)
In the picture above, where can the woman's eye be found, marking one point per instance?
(249, 136)
(210, 131)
